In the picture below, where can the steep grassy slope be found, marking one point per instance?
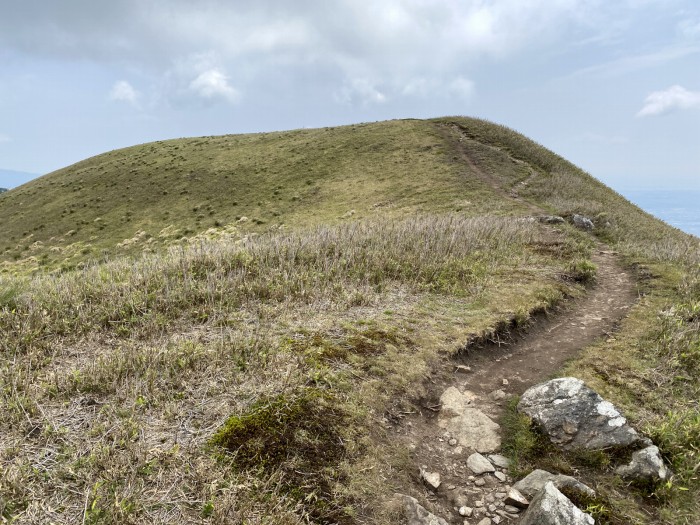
(225, 377)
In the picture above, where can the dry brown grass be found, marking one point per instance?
(115, 377)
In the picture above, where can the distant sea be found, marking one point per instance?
(678, 208)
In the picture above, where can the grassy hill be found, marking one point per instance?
(217, 329)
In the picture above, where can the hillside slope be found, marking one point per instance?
(160, 192)
(296, 178)
(164, 359)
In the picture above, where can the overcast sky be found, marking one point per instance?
(613, 86)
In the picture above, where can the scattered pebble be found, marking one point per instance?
(432, 479)
(466, 511)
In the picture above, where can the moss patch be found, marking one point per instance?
(299, 434)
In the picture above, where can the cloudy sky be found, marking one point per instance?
(612, 85)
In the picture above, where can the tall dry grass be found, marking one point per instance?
(115, 377)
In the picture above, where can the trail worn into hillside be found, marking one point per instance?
(483, 377)
(536, 355)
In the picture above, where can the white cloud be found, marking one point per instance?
(213, 84)
(673, 98)
(461, 87)
(689, 29)
(124, 92)
(360, 91)
(389, 42)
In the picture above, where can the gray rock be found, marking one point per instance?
(574, 416)
(499, 461)
(500, 476)
(516, 499)
(531, 484)
(485, 521)
(416, 514)
(466, 511)
(432, 479)
(646, 465)
(478, 464)
(467, 424)
(511, 509)
(498, 395)
(582, 222)
(551, 507)
(551, 219)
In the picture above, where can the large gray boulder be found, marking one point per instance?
(646, 465)
(416, 514)
(535, 481)
(576, 417)
(551, 507)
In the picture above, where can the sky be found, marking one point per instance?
(614, 86)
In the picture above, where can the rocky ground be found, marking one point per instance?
(454, 434)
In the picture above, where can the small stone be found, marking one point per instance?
(492, 508)
(451, 487)
(500, 476)
(551, 219)
(496, 519)
(497, 395)
(471, 478)
(505, 382)
(646, 465)
(466, 511)
(516, 499)
(501, 495)
(551, 507)
(479, 503)
(478, 464)
(480, 482)
(499, 461)
(432, 479)
(463, 369)
(489, 498)
(531, 484)
(584, 223)
(511, 509)
(417, 514)
(452, 442)
(485, 521)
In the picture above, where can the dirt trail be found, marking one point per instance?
(485, 376)
(545, 348)
(511, 367)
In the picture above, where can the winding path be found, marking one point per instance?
(506, 368)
